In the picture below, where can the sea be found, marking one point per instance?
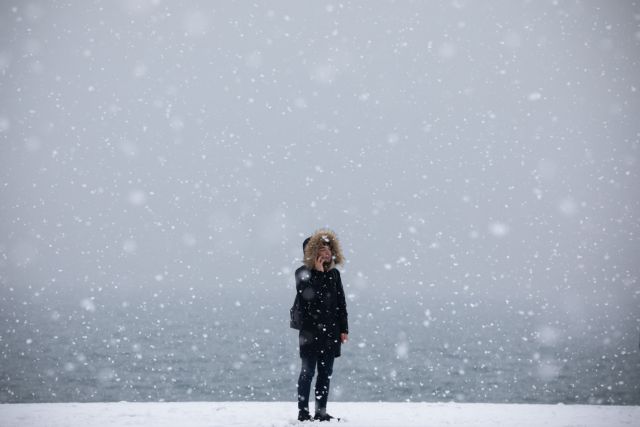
(182, 347)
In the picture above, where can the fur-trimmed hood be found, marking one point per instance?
(315, 243)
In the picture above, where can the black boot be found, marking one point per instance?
(304, 415)
(322, 415)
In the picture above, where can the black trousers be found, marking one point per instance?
(324, 361)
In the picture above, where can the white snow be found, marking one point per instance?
(273, 414)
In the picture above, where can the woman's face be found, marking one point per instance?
(325, 253)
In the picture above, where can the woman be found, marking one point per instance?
(324, 319)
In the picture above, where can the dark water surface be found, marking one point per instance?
(182, 350)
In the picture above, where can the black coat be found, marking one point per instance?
(324, 310)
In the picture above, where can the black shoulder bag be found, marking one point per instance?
(296, 312)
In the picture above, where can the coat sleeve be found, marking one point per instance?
(304, 287)
(342, 307)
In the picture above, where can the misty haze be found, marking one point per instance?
(161, 164)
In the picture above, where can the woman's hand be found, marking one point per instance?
(319, 265)
(344, 337)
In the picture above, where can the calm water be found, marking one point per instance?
(187, 349)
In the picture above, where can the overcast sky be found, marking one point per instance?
(485, 149)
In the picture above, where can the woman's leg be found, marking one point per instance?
(325, 370)
(307, 369)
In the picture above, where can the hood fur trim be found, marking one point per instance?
(314, 245)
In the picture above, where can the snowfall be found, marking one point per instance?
(273, 414)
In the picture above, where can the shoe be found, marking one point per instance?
(323, 416)
(304, 415)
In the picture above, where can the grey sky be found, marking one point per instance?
(485, 150)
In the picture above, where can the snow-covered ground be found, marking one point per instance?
(354, 414)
